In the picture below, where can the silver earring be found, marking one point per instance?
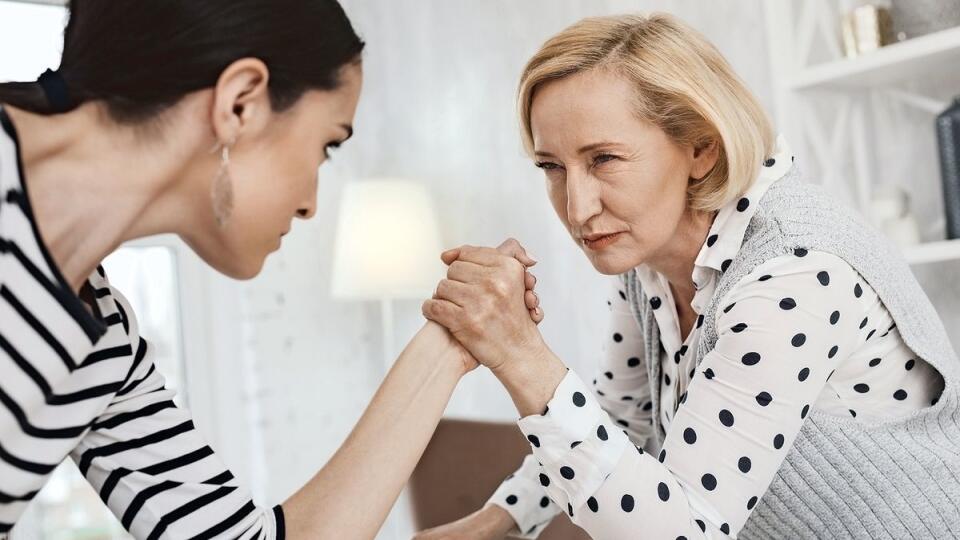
(221, 191)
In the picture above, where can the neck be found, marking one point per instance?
(676, 260)
(93, 185)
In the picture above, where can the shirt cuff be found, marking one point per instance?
(575, 442)
(280, 523)
(527, 504)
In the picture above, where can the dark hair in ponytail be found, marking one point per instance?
(142, 56)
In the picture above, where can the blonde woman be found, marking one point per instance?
(772, 369)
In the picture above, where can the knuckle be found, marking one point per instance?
(489, 304)
(473, 324)
(515, 267)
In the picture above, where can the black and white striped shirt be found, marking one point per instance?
(77, 379)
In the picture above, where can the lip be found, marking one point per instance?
(600, 241)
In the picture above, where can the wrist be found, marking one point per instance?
(532, 379)
(435, 342)
(522, 363)
(495, 521)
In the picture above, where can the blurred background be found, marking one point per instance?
(278, 369)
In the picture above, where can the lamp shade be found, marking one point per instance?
(388, 242)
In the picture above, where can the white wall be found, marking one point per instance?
(438, 105)
(291, 369)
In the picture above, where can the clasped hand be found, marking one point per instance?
(488, 304)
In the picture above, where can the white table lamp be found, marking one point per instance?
(387, 247)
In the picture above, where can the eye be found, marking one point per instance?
(547, 166)
(331, 146)
(603, 158)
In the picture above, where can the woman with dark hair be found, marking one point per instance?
(207, 120)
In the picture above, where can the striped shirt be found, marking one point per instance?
(77, 379)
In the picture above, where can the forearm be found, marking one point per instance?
(353, 493)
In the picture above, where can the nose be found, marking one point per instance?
(308, 208)
(583, 198)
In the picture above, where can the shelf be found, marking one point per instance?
(930, 252)
(907, 60)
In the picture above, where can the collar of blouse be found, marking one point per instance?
(725, 236)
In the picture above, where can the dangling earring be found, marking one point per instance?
(221, 190)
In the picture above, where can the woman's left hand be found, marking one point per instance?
(485, 304)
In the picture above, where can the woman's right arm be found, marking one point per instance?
(521, 504)
(780, 337)
(373, 464)
(157, 474)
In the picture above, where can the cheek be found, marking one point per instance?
(290, 180)
(266, 200)
(652, 205)
(295, 157)
(558, 198)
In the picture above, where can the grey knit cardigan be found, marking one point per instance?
(841, 478)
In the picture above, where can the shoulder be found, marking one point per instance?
(807, 270)
(801, 264)
(814, 282)
(795, 213)
(112, 299)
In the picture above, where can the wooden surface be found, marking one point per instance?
(463, 465)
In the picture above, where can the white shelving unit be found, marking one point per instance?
(811, 75)
(945, 250)
(907, 60)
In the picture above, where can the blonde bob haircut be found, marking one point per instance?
(683, 85)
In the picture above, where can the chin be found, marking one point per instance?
(609, 264)
(249, 270)
(240, 268)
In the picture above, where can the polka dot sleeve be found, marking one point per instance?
(780, 339)
(522, 496)
(621, 388)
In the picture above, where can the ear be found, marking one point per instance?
(704, 159)
(241, 100)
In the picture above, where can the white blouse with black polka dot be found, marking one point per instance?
(802, 332)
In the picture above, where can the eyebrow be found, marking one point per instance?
(582, 149)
